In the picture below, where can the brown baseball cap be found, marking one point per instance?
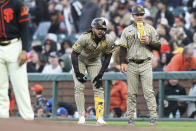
(138, 9)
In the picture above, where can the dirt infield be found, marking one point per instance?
(45, 125)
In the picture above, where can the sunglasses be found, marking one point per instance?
(139, 14)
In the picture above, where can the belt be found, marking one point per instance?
(7, 42)
(139, 61)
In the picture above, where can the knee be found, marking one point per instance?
(79, 88)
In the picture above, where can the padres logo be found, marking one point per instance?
(103, 44)
(138, 8)
(100, 22)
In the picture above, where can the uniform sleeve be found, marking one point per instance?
(123, 39)
(110, 46)
(154, 37)
(79, 44)
(22, 19)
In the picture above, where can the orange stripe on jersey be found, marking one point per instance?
(23, 20)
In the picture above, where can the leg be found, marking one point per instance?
(133, 81)
(93, 70)
(146, 79)
(79, 90)
(4, 99)
(19, 80)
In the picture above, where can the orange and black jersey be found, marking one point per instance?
(14, 21)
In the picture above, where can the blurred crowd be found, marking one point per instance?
(56, 24)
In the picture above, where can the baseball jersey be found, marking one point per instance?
(135, 49)
(89, 50)
(13, 21)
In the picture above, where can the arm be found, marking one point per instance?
(81, 77)
(154, 43)
(122, 55)
(22, 20)
(98, 79)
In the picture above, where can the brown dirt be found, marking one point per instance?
(46, 125)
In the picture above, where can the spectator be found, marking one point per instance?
(173, 88)
(92, 10)
(56, 26)
(37, 63)
(193, 22)
(71, 109)
(182, 61)
(163, 12)
(62, 112)
(50, 45)
(53, 66)
(65, 63)
(193, 45)
(116, 113)
(91, 113)
(66, 47)
(118, 93)
(40, 100)
(39, 112)
(48, 108)
(191, 110)
(180, 23)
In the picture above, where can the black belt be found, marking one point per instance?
(7, 42)
(139, 61)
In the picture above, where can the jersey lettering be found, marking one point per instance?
(8, 14)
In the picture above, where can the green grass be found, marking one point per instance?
(162, 125)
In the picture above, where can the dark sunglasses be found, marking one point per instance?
(139, 14)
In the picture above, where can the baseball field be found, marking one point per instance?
(51, 125)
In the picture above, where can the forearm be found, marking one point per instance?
(154, 46)
(74, 58)
(105, 63)
(122, 55)
(24, 36)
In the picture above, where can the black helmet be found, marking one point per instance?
(99, 23)
(138, 9)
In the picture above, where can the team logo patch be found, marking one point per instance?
(76, 45)
(8, 14)
(23, 11)
(148, 30)
(103, 44)
(100, 22)
(139, 9)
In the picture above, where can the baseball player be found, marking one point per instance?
(137, 42)
(13, 47)
(86, 56)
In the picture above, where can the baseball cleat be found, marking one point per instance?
(81, 120)
(100, 121)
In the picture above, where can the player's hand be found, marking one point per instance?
(22, 58)
(144, 39)
(98, 81)
(123, 68)
(81, 77)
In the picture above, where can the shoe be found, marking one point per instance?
(153, 122)
(100, 121)
(131, 123)
(81, 120)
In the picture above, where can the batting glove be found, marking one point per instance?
(81, 77)
(98, 81)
